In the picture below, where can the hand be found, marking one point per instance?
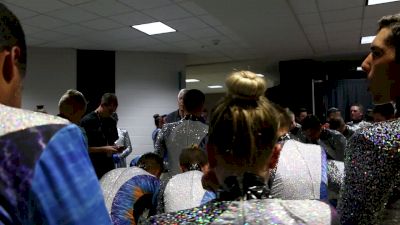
(120, 148)
(111, 149)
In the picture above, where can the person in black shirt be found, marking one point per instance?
(101, 131)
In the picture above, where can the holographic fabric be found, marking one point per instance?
(45, 172)
(185, 191)
(372, 166)
(265, 211)
(123, 140)
(122, 189)
(174, 137)
(298, 173)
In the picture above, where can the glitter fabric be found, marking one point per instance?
(13, 119)
(174, 137)
(123, 188)
(334, 143)
(184, 191)
(371, 172)
(266, 211)
(355, 126)
(335, 175)
(298, 173)
(123, 140)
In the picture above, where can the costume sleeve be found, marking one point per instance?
(65, 189)
(369, 178)
(160, 146)
(127, 143)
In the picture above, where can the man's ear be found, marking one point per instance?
(276, 151)
(10, 63)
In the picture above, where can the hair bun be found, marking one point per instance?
(155, 116)
(245, 85)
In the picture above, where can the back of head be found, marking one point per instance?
(157, 118)
(109, 99)
(336, 123)
(12, 34)
(392, 22)
(311, 122)
(152, 163)
(71, 101)
(193, 100)
(192, 158)
(243, 126)
(386, 110)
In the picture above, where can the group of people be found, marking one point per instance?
(236, 169)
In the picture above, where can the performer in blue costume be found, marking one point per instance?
(45, 173)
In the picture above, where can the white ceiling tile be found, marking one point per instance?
(30, 29)
(172, 37)
(303, 6)
(106, 7)
(102, 24)
(132, 18)
(146, 4)
(76, 2)
(309, 19)
(167, 12)
(186, 24)
(31, 41)
(72, 14)
(211, 20)
(342, 15)
(327, 5)
(343, 26)
(21, 13)
(41, 6)
(74, 30)
(193, 8)
(44, 22)
(207, 32)
(49, 35)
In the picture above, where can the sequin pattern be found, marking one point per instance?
(13, 119)
(174, 137)
(266, 211)
(371, 171)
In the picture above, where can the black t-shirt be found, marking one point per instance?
(100, 132)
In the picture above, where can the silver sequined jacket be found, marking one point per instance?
(123, 139)
(371, 172)
(174, 137)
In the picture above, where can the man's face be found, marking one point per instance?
(180, 101)
(355, 113)
(302, 116)
(383, 71)
(110, 109)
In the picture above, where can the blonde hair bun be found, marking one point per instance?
(245, 85)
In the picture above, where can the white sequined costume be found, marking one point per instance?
(174, 137)
(372, 166)
(300, 173)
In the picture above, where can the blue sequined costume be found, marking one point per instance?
(45, 172)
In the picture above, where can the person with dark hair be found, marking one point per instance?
(383, 112)
(332, 141)
(332, 113)
(242, 140)
(186, 185)
(372, 155)
(72, 106)
(300, 114)
(357, 116)
(45, 173)
(101, 131)
(159, 122)
(178, 114)
(174, 137)
(130, 192)
(338, 124)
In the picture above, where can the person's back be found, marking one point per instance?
(45, 171)
(300, 173)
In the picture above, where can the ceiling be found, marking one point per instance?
(233, 34)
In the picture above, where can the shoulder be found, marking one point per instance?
(13, 119)
(383, 135)
(291, 144)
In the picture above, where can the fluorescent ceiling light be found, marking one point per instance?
(214, 86)
(191, 80)
(154, 28)
(376, 2)
(367, 39)
(359, 68)
(259, 75)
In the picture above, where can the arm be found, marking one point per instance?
(65, 189)
(160, 146)
(104, 149)
(369, 177)
(127, 144)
